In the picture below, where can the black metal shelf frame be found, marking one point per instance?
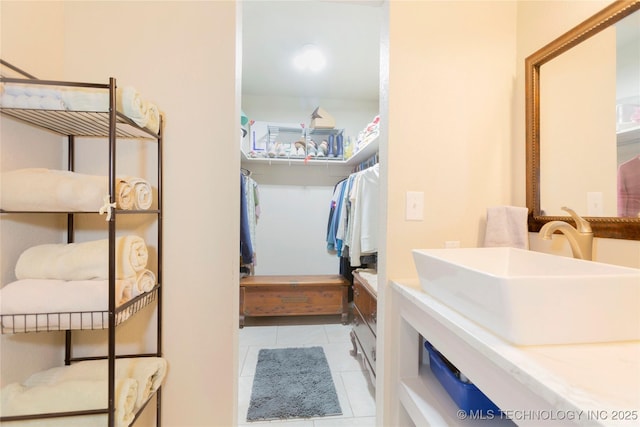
(111, 125)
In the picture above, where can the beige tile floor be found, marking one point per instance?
(354, 389)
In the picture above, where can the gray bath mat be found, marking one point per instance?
(292, 383)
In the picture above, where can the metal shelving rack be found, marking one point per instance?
(112, 125)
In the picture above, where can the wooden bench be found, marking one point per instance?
(294, 296)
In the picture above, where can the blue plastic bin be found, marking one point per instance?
(466, 395)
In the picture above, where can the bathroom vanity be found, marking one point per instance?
(578, 384)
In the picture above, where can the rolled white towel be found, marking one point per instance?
(82, 261)
(145, 281)
(134, 193)
(130, 103)
(126, 194)
(149, 372)
(142, 192)
(71, 395)
(153, 113)
(134, 255)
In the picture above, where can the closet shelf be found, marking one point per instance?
(80, 123)
(359, 156)
(74, 320)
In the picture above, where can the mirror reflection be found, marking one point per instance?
(590, 125)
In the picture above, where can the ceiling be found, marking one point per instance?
(348, 32)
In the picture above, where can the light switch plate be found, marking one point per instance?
(415, 206)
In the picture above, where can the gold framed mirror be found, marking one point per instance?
(611, 226)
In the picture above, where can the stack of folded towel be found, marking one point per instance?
(83, 385)
(63, 278)
(128, 101)
(39, 189)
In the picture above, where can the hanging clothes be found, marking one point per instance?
(249, 215)
(336, 206)
(253, 207)
(246, 248)
(353, 216)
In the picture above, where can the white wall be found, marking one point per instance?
(181, 55)
(19, 148)
(291, 237)
(451, 83)
(450, 95)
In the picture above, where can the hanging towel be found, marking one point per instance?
(507, 226)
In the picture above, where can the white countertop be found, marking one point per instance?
(370, 277)
(597, 382)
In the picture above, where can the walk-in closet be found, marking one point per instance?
(309, 137)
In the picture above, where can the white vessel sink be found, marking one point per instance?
(531, 298)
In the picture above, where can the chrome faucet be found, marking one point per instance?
(580, 238)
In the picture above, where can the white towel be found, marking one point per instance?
(18, 89)
(40, 189)
(86, 99)
(144, 281)
(31, 102)
(142, 194)
(149, 372)
(37, 302)
(128, 102)
(47, 295)
(83, 261)
(507, 226)
(153, 113)
(72, 395)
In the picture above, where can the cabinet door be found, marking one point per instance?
(366, 303)
(366, 340)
